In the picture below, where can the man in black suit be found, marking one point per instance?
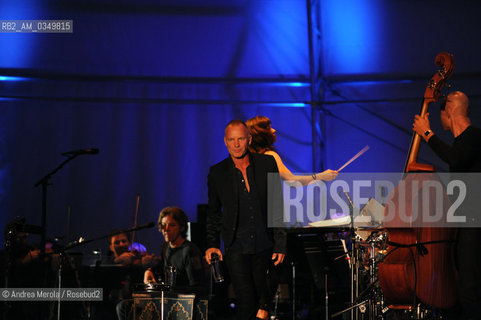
(238, 201)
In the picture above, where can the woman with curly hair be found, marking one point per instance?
(263, 138)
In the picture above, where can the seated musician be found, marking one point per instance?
(178, 252)
(121, 253)
(134, 263)
(20, 267)
(21, 253)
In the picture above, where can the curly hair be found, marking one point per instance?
(262, 137)
(178, 215)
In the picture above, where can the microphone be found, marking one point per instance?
(144, 226)
(81, 151)
(82, 240)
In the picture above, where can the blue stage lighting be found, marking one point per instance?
(8, 78)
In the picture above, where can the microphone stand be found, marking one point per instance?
(353, 261)
(8, 266)
(44, 182)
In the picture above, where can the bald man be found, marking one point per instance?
(464, 155)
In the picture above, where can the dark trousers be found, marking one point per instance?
(248, 274)
(125, 309)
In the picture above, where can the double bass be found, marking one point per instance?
(419, 264)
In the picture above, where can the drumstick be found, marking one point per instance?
(354, 158)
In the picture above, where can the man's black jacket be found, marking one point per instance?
(223, 208)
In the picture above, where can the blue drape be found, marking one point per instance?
(152, 85)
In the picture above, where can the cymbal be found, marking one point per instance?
(370, 228)
(336, 222)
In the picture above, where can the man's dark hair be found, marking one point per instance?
(115, 232)
(178, 215)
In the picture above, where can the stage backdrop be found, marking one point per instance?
(152, 84)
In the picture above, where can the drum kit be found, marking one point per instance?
(366, 246)
(369, 247)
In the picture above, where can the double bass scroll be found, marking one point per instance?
(446, 64)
